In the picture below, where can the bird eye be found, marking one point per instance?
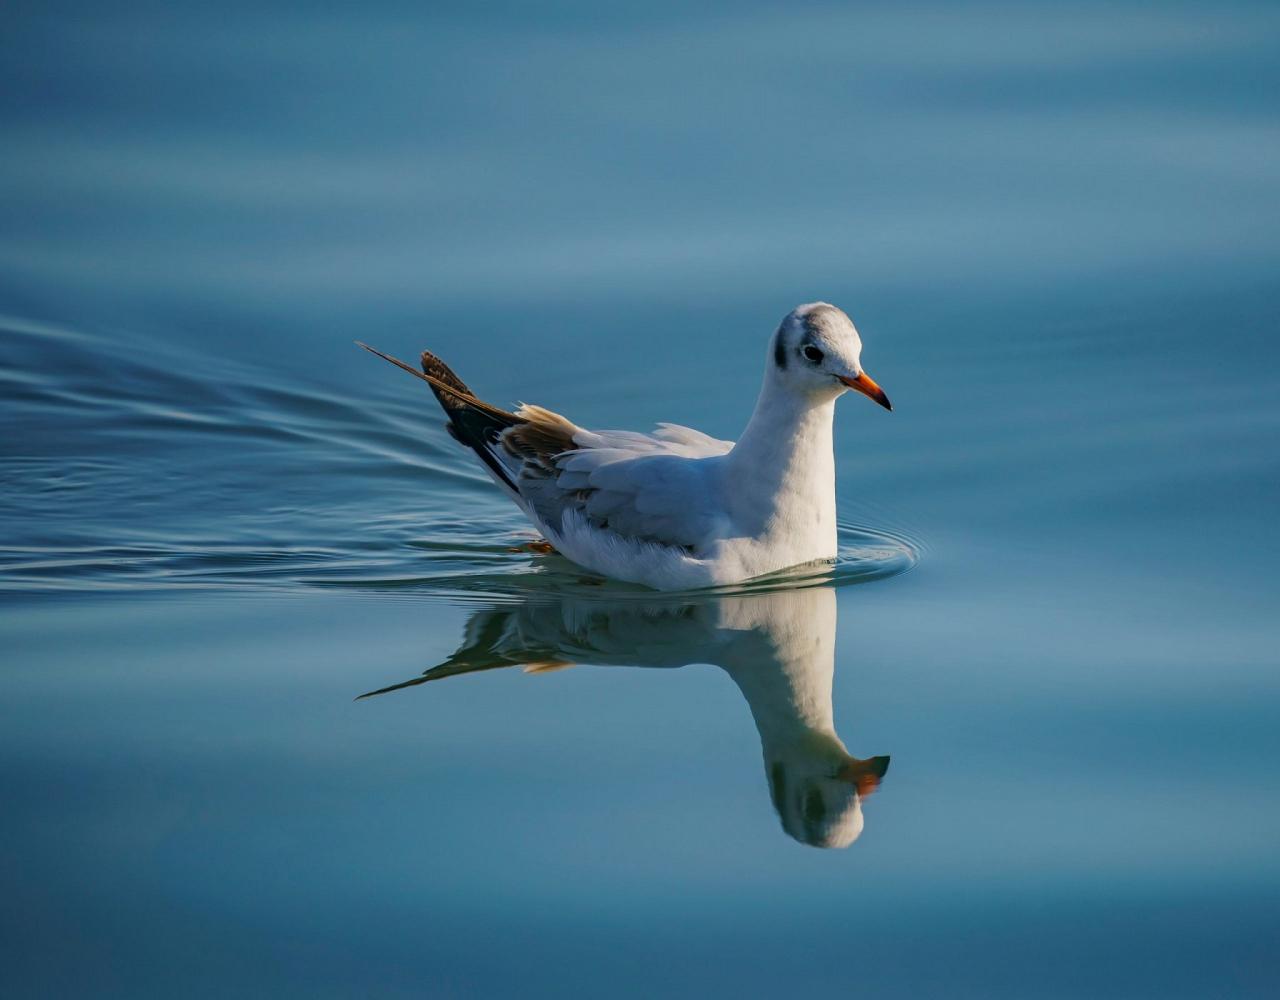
(812, 353)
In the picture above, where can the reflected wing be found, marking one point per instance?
(565, 632)
(493, 639)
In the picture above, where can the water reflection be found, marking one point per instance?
(778, 646)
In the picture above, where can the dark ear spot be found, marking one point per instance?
(779, 351)
(778, 787)
(815, 809)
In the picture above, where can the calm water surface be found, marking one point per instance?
(1058, 229)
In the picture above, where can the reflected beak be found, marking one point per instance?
(867, 386)
(864, 775)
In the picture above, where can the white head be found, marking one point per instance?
(817, 352)
(818, 795)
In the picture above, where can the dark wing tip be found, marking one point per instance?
(393, 687)
(395, 361)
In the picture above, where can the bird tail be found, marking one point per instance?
(473, 423)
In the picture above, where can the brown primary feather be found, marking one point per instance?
(453, 386)
(436, 368)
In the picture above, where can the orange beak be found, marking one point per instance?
(867, 386)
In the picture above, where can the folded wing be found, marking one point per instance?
(658, 487)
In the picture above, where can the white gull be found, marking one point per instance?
(677, 509)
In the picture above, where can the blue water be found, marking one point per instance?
(1058, 230)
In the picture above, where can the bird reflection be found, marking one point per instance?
(778, 646)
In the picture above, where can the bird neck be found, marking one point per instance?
(782, 470)
(786, 671)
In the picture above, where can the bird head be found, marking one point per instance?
(817, 351)
(820, 802)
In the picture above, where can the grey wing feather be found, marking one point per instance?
(649, 487)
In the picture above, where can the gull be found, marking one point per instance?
(677, 509)
(777, 646)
